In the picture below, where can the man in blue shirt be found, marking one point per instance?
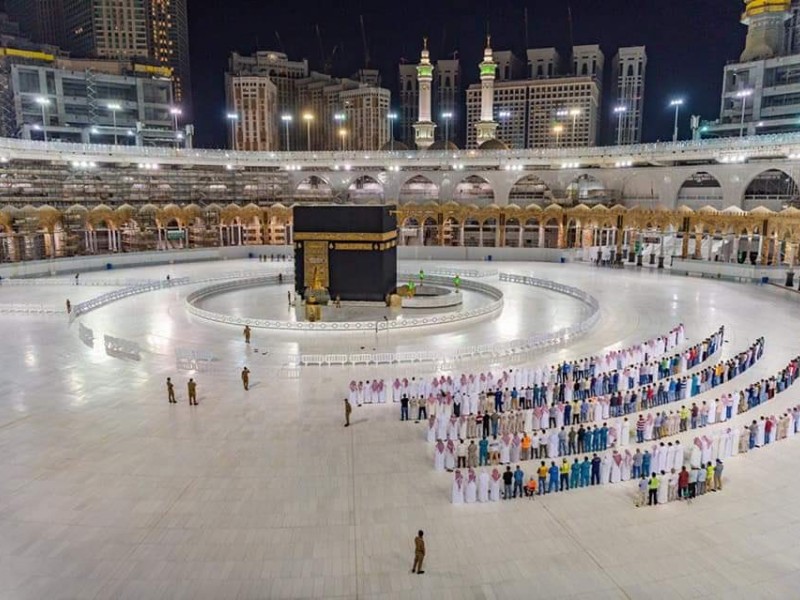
(585, 469)
(595, 470)
(553, 480)
(574, 474)
(519, 477)
(498, 400)
(483, 452)
(646, 462)
(604, 437)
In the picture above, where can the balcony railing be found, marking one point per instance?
(768, 145)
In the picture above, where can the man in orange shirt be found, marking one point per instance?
(530, 488)
(526, 446)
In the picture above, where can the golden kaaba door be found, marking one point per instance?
(315, 262)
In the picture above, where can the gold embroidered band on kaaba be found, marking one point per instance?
(345, 237)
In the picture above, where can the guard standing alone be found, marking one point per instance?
(347, 410)
(171, 391)
(192, 387)
(419, 553)
(246, 378)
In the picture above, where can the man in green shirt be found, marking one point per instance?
(652, 489)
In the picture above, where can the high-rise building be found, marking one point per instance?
(107, 28)
(346, 114)
(142, 30)
(284, 74)
(792, 45)
(41, 20)
(546, 109)
(588, 61)
(255, 102)
(46, 95)
(508, 65)
(759, 93)
(366, 123)
(409, 102)
(448, 100)
(168, 29)
(319, 112)
(629, 69)
(543, 63)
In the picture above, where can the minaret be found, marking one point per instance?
(766, 28)
(487, 127)
(424, 128)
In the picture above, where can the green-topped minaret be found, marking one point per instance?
(424, 128)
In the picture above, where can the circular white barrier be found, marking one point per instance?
(493, 307)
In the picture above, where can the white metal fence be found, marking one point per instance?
(493, 351)
(342, 327)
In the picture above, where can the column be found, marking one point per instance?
(540, 241)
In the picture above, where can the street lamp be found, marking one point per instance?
(447, 116)
(308, 118)
(233, 119)
(114, 107)
(343, 135)
(175, 112)
(574, 113)
(744, 95)
(558, 130)
(286, 120)
(677, 103)
(43, 104)
(619, 111)
(392, 117)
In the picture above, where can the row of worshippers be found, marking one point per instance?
(443, 424)
(654, 427)
(517, 446)
(589, 408)
(507, 449)
(666, 458)
(526, 378)
(703, 474)
(483, 485)
(683, 484)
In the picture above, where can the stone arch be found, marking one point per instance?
(773, 189)
(699, 189)
(418, 189)
(471, 231)
(587, 189)
(474, 190)
(430, 232)
(513, 233)
(640, 189)
(313, 188)
(530, 189)
(573, 233)
(451, 232)
(531, 230)
(552, 232)
(366, 189)
(489, 232)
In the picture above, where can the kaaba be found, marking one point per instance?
(350, 250)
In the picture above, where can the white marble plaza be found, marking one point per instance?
(108, 491)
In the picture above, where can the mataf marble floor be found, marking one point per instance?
(108, 491)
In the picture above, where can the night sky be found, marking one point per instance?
(688, 42)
